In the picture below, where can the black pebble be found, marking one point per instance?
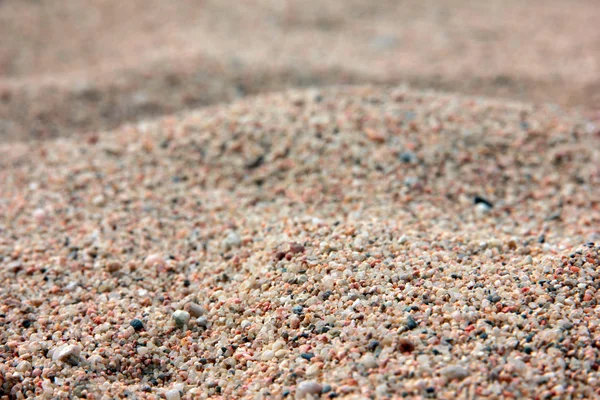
(137, 325)
(26, 324)
(326, 294)
(307, 356)
(407, 157)
(479, 199)
(297, 310)
(257, 162)
(483, 335)
(373, 344)
(542, 239)
(411, 323)
(323, 329)
(186, 283)
(529, 337)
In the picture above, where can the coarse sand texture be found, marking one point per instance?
(353, 243)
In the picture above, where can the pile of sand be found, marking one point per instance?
(349, 242)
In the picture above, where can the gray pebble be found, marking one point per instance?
(202, 322)
(196, 310)
(494, 298)
(455, 372)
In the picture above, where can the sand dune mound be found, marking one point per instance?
(341, 242)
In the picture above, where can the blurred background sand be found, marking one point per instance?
(74, 66)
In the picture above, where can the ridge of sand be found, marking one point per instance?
(352, 241)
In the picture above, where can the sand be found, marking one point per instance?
(194, 203)
(358, 242)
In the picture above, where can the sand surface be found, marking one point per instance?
(384, 243)
(193, 204)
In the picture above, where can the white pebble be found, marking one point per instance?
(181, 318)
(369, 361)
(172, 394)
(280, 353)
(40, 215)
(23, 366)
(98, 200)
(245, 324)
(482, 208)
(47, 387)
(67, 353)
(153, 259)
(267, 355)
(313, 369)
(232, 240)
(307, 388)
